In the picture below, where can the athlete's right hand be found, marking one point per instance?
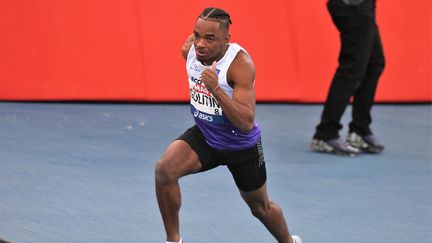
(210, 78)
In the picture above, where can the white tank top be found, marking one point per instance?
(219, 132)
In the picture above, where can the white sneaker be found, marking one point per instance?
(296, 239)
(181, 241)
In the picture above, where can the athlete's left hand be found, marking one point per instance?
(210, 78)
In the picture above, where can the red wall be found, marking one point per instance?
(129, 50)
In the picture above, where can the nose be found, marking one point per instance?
(199, 42)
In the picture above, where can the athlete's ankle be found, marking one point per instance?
(181, 241)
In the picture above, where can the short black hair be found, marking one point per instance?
(218, 15)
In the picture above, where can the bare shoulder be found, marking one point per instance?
(243, 59)
(242, 69)
(187, 46)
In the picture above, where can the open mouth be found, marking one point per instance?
(200, 53)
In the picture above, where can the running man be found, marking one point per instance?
(221, 82)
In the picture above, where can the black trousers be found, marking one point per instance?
(361, 63)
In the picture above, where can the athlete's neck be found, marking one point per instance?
(217, 58)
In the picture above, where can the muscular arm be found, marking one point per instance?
(187, 45)
(240, 109)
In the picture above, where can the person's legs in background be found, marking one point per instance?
(356, 25)
(360, 134)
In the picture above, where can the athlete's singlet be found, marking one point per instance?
(219, 132)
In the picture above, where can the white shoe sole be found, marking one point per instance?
(296, 239)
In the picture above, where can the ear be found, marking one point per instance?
(227, 38)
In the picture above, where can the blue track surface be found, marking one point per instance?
(85, 173)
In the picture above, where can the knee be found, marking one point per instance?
(260, 210)
(164, 173)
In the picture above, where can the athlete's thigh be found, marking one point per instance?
(180, 159)
(249, 175)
